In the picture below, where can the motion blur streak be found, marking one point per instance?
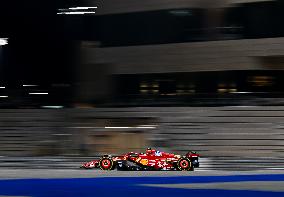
(228, 138)
(85, 78)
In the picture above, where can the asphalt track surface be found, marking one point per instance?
(90, 183)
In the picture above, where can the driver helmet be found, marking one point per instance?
(149, 150)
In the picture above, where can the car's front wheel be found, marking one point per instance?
(184, 164)
(106, 163)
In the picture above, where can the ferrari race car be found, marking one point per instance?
(151, 160)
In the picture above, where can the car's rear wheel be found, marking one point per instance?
(106, 163)
(184, 164)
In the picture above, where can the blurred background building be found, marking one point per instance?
(178, 52)
(178, 75)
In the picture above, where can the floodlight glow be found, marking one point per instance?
(76, 13)
(82, 8)
(4, 96)
(241, 92)
(38, 93)
(2, 87)
(29, 85)
(53, 107)
(3, 41)
(77, 10)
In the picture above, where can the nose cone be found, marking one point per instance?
(91, 164)
(86, 165)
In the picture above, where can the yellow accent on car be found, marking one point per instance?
(144, 161)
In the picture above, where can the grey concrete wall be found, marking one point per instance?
(187, 57)
(228, 137)
(215, 131)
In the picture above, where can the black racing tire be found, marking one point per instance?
(184, 164)
(106, 163)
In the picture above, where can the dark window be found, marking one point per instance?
(255, 20)
(167, 26)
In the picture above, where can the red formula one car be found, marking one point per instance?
(151, 160)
